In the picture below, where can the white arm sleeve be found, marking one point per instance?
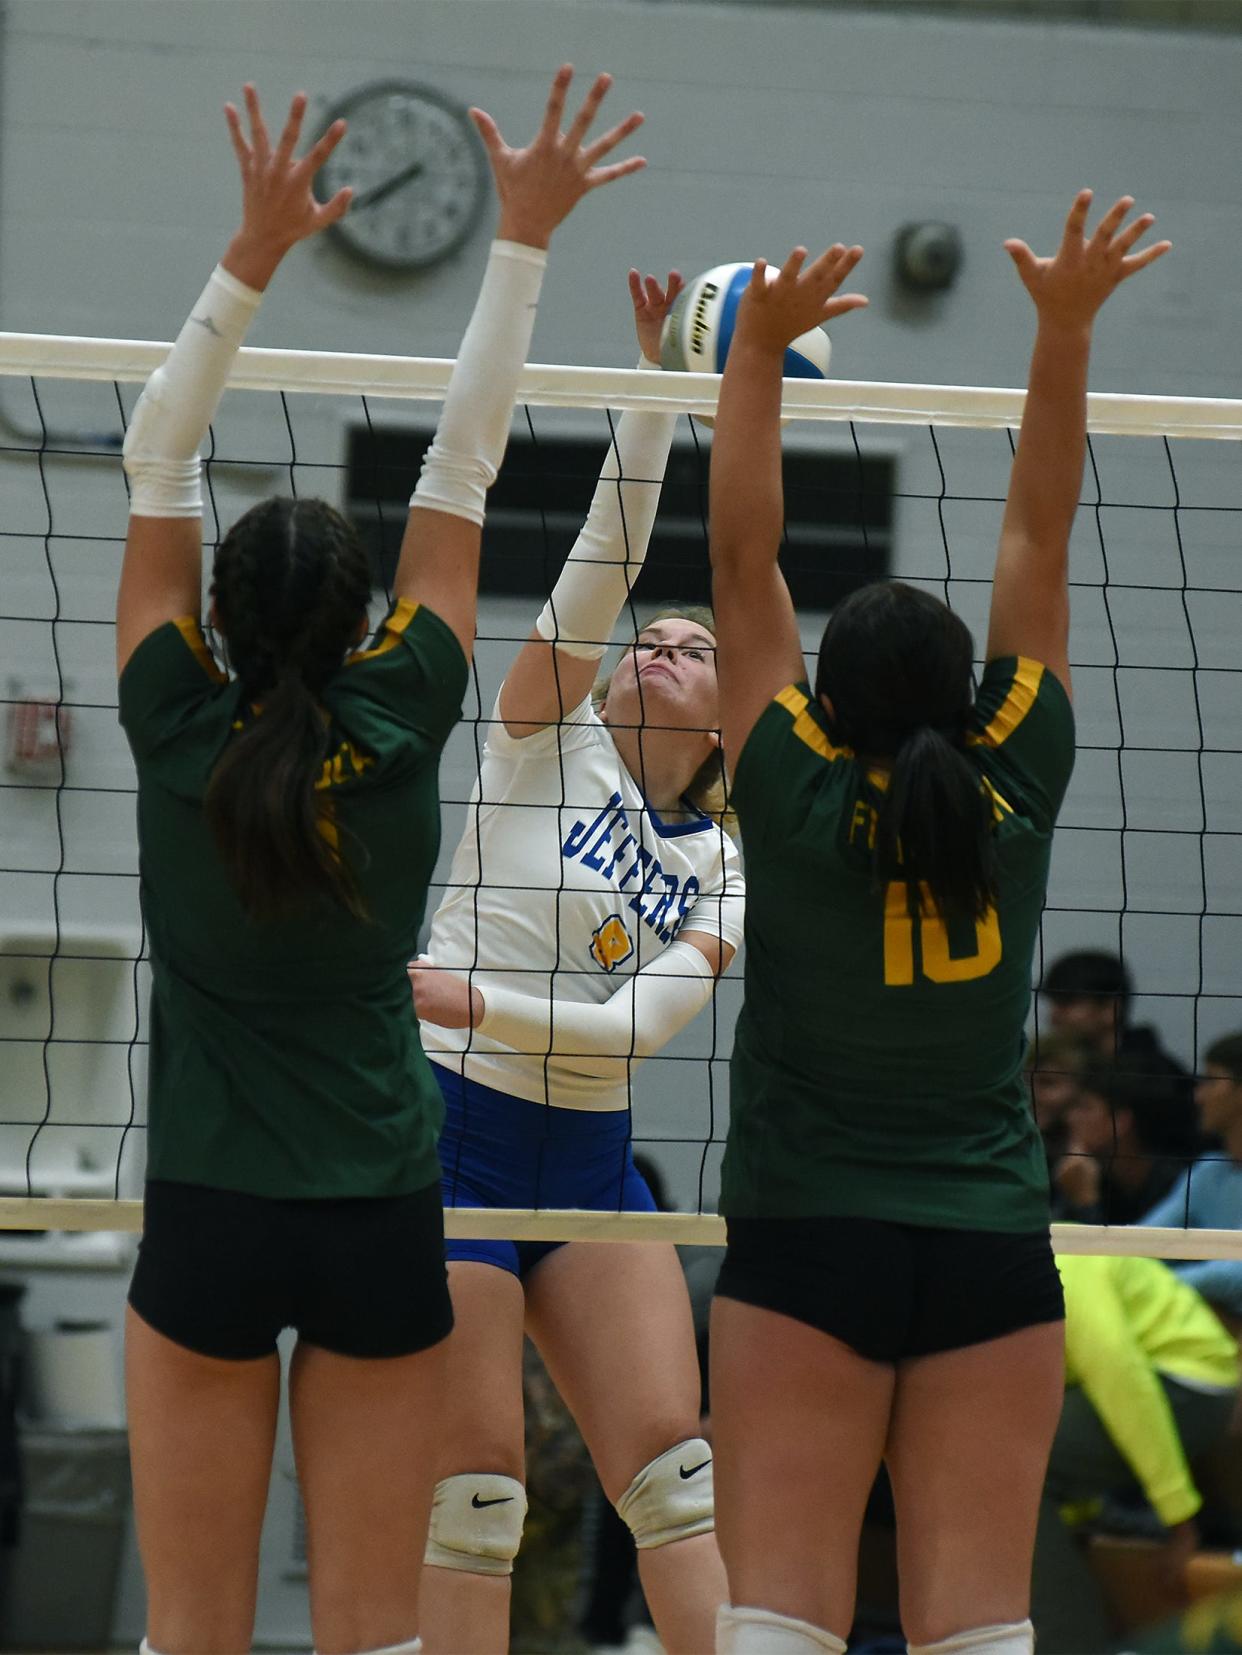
(462, 462)
(175, 409)
(608, 554)
(637, 1021)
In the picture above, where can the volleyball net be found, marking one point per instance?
(881, 479)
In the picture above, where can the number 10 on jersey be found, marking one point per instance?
(936, 962)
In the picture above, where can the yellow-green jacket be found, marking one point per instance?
(1127, 1321)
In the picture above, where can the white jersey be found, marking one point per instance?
(565, 882)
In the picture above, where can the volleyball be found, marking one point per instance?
(699, 328)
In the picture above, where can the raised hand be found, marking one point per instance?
(1070, 287)
(652, 304)
(279, 208)
(775, 310)
(540, 185)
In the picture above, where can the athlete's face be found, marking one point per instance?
(1092, 1126)
(1219, 1097)
(667, 679)
(1053, 1091)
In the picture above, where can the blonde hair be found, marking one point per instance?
(709, 789)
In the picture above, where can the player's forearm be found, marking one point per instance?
(463, 461)
(252, 259)
(174, 412)
(606, 558)
(639, 1019)
(747, 503)
(1052, 445)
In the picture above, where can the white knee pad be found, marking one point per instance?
(741, 1631)
(476, 1523)
(414, 1648)
(1017, 1638)
(144, 1648)
(671, 1498)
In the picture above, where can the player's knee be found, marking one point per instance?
(671, 1499)
(476, 1523)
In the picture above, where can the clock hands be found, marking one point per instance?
(381, 192)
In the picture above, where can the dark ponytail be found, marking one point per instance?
(291, 587)
(896, 665)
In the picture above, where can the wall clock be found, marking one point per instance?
(418, 170)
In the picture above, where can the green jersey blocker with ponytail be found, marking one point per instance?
(281, 1024)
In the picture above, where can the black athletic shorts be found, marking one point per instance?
(222, 1273)
(893, 1291)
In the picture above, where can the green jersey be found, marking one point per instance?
(284, 1057)
(877, 1064)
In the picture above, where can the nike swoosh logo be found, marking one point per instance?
(206, 322)
(502, 1501)
(693, 1469)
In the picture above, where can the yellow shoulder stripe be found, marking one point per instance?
(394, 626)
(1001, 806)
(805, 727)
(190, 629)
(1014, 708)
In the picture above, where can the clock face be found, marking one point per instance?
(418, 171)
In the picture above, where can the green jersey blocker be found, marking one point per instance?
(284, 1056)
(877, 1065)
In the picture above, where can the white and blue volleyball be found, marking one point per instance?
(699, 328)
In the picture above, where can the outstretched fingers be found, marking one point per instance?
(581, 123)
(320, 151)
(1139, 261)
(792, 267)
(1108, 226)
(292, 130)
(238, 138)
(604, 145)
(554, 111)
(1126, 240)
(488, 131)
(259, 140)
(619, 169)
(1076, 219)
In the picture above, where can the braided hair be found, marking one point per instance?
(291, 585)
(896, 665)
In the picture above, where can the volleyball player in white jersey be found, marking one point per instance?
(591, 904)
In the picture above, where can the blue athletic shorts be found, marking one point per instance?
(501, 1151)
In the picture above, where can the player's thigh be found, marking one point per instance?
(799, 1422)
(967, 1455)
(612, 1322)
(481, 1421)
(201, 1435)
(366, 1437)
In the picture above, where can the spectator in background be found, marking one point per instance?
(1088, 994)
(1209, 1196)
(1151, 1383)
(1054, 1067)
(1127, 1144)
